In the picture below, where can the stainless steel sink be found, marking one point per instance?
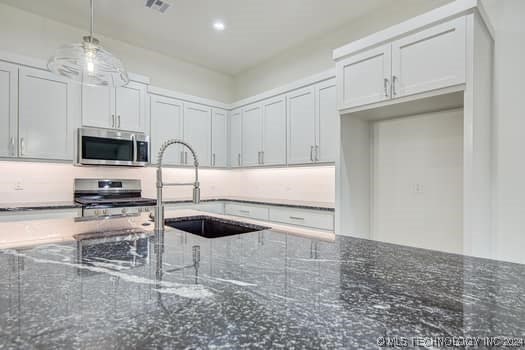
(211, 227)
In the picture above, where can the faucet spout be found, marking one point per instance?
(159, 209)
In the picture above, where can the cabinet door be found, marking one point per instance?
(48, 108)
(236, 138)
(428, 60)
(301, 126)
(274, 131)
(8, 109)
(364, 78)
(251, 135)
(131, 107)
(165, 124)
(197, 132)
(219, 146)
(98, 106)
(327, 122)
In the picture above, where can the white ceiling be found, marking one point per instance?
(255, 29)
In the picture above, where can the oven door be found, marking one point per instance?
(108, 147)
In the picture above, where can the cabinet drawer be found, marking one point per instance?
(249, 211)
(210, 207)
(323, 220)
(44, 214)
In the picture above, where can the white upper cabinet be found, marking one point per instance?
(98, 106)
(251, 135)
(327, 122)
(219, 135)
(273, 150)
(8, 109)
(48, 110)
(236, 138)
(131, 107)
(123, 108)
(301, 126)
(197, 132)
(166, 118)
(430, 59)
(365, 77)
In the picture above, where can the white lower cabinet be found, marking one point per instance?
(319, 219)
(8, 109)
(49, 110)
(246, 210)
(312, 218)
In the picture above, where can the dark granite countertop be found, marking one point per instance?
(28, 206)
(260, 290)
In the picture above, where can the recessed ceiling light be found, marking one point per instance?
(218, 25)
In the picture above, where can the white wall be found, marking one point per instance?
(314, 56)
(417, 186)
(41, 182)
(34, 36)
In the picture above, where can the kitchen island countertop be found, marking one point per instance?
(265, 289)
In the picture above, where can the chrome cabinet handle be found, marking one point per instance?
(263, 157)
(239, 159)
(311, 153)
(394, 79)
(316, 153)
(22, 146)
(386, 87)
(118, 121)
(296, 218)
(112, 120)
(185, 157)
(182, 157)
(244, 211)
(213, 159)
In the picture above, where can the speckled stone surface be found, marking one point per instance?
(260, 290)
(30, 206)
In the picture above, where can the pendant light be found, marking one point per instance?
(88, 62)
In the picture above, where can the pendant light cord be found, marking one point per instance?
(91, 21)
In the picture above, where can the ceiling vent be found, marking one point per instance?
(158, 5)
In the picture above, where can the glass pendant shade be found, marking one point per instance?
(88, 63)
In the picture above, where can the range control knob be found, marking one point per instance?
(124, 210)
(141, 210)
(105, 212)
(97, 212)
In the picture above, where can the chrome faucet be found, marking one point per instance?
(159, 209)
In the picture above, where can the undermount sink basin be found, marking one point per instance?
(210, 227)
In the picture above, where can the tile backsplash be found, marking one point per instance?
(37, 182)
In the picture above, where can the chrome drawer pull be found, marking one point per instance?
(296, 218)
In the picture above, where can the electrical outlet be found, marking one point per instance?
(18, 186)
(418, 188)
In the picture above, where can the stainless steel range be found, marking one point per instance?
(111, 198)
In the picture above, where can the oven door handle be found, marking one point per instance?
(134, 141)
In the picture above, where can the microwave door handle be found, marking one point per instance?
(134, 141)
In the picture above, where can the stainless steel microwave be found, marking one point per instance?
(96, 146)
